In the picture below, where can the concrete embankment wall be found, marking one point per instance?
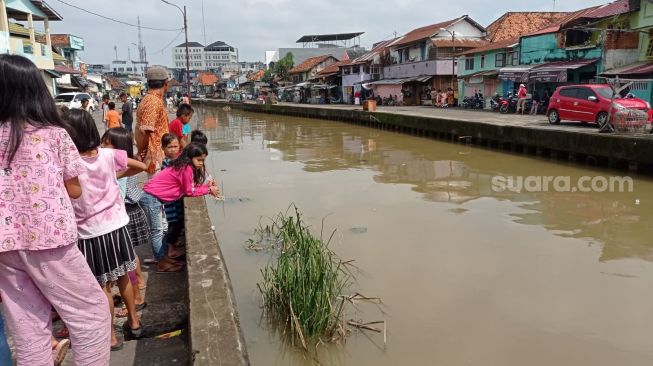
(215, 336)
(606, 150)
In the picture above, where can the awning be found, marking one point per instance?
(421, 79)
(481, 74)
(53, 73)
(516, 73)
(636, 69)
(556, 72)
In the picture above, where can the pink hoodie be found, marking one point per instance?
(171, 184)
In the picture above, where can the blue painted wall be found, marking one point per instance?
(544, 48)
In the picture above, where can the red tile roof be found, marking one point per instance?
(207, 78)
(431, 30)
(514, 24)
(459, 43)
(333, 68)
(256, 76)
(310, 63)
(66, 70)
(493, 46)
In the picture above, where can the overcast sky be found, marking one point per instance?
(254, 26)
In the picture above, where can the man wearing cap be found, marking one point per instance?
(151, 125)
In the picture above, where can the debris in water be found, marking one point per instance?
(458, 210)
(358, 230)
(637, 201)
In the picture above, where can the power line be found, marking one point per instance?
(118, 21)
(168, 45)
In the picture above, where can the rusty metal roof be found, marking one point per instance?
(433, 29)
(310, 63)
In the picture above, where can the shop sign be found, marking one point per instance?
(76, 43)
(520, 76)
(548, 76)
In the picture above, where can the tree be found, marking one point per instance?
(283, 66)
(268, 77)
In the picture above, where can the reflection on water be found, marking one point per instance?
(468, 275)
(451, 173)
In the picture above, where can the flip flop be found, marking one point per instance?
(59, 352)
(134, 333)
(139, 307)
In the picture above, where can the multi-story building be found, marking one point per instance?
(69, 46)
(202, 57)
(21, 39)
(219, 54)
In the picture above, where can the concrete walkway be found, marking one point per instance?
(467, 115)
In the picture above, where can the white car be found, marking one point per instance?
(74, 100)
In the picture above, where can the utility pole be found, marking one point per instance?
(183, 13)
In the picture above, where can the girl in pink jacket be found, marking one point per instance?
(184, 178)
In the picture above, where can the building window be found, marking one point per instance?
(649, 49)
(482, 61)
(356, 70)
(347, 70)
(469, 63)
(515, 58)
(577, 37)
(500, 60)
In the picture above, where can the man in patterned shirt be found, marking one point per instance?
(151, 125)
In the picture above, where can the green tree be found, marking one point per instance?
(283, 66)
(268, 77)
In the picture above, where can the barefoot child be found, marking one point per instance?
(120, 138)
(40, 265)
(102, 219)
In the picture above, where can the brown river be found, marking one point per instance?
(468, 274)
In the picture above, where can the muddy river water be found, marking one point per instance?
(468, 274)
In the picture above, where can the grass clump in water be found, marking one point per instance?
(302, 287)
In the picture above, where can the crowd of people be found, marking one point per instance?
(72, 210)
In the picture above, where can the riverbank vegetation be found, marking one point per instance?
(302, 286)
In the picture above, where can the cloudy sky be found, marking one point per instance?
(254, 26)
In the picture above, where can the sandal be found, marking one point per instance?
(134, 333)
(59, 352)
(123, 311)
(118, 346)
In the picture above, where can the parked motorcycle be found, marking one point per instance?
(508, 104)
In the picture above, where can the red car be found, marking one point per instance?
(588, 103)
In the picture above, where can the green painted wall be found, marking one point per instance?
(544, 48)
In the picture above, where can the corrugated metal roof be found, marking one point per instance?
(433, 29)
(637, 68)
(565, 65)
(493, 46)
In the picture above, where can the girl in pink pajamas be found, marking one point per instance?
(40, 265)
